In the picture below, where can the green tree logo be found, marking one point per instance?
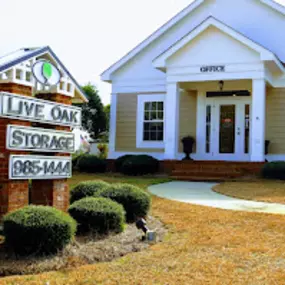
(47, 71)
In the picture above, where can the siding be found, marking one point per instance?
(275, 120)
(126, 125)
(187, 116)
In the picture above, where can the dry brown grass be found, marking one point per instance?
(206, 246)
(271, 191)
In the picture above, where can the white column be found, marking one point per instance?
(172, 101)
(258, 118)
(113, 126)
(201, 124)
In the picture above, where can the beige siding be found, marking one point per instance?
(275, 121)
(126, 124)
(187, 117)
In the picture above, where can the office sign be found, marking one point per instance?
(213, 68)
(37, 110)
(39, 140)
(23, 167)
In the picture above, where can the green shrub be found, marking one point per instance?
(136, 202)
(75, 157)
(274, 170)
(99, 215)
(140, 165)
(103, 150)
(86, 189)
(119, 161)
(91, 164)
(38, 230)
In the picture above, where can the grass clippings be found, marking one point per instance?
(271, 191)
(205, 246)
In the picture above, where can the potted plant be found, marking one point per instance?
(188, 143)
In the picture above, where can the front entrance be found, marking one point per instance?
(228, 128)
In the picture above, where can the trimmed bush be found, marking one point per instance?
(99, 215)
(135, 201)
(91, 164)
(75, 158)
(38, 230)
(86, 189)
(274, 170)
(140, 165)
(119, 161)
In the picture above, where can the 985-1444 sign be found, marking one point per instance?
(39, 167)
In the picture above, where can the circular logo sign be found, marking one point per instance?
(46, 73)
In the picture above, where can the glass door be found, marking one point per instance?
(228, 129)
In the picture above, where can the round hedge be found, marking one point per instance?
(91, 164)
(86, 189)
(274, 170)
(99, 215)
(140, 165)
(120, 161)
(38, 230)
(135, 201)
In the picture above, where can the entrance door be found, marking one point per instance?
(228, 130)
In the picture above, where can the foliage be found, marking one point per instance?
(93, 116)
(38, 230)
(86, 189)
(136, 202)
(75, 157)
(91, 164)
(103, 150)
(274, 170)
(119, 161)
(140, 165)
(99, 215)
(107, 110)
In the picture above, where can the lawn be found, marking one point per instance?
(272, 191)
(205, 246)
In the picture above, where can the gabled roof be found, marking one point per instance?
(12, 59)
(265, 54)
(106, 75)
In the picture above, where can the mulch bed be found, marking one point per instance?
(84, 250)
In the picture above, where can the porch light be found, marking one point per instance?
(221, 85)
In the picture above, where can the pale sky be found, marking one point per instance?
(87, 35)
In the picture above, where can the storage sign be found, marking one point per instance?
(23, 167)
(36, 110)
(41, 140)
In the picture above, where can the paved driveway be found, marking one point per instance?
(200, 193)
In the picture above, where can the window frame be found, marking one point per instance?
(142, 99)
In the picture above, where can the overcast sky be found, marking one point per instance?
(87, 35)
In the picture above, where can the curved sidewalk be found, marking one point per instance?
(200, 193)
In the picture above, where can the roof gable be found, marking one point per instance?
(15, 58)
(265, 54)
(107, 75)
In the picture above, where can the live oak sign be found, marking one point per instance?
(36, 110)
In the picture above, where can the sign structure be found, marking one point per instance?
(213, 68)
(39, 140)
(46, 73)
(37, 110)
(39, 167)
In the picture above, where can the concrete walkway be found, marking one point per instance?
(200, 193)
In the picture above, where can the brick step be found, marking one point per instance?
(201, 179)
(211, 174)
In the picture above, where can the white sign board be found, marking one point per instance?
(40, 140)
(23, 167)
(36, 110)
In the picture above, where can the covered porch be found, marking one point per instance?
(228, 74)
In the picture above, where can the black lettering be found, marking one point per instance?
(45, 141)
(56, 113)
(73, 118)
(10, 108)
(17, 138)
(65, 116)
(29, 108)
(58, 168)
(67, 168)
(36, 140)
(39, 111)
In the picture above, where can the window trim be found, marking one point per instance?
(142, 99)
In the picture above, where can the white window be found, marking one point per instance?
(150, 121)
